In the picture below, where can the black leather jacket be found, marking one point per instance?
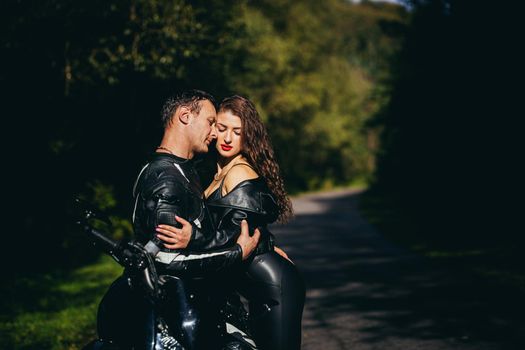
(250, 200)
(169, 186)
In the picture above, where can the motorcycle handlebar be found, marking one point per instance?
(107, 244)
(128, 254)
(119, 252)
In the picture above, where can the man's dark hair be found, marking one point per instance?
(190, 99)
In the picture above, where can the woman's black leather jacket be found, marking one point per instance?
(250, 200)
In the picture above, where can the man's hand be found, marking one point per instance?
(175, 238)
(247, 243)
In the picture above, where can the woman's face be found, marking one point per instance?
(228, 134)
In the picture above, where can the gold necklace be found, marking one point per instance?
(218, 177)
(224, 171)
(164, 148)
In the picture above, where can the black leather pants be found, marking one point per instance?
(275, 291)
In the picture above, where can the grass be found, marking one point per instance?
(56, 310)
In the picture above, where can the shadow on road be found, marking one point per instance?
(363, 292)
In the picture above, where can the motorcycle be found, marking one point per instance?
(134, 314)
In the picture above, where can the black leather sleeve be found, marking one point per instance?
(202, 264)
(165, 202)
(167, 199)
(226, 235)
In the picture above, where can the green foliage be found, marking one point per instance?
(102, 195)
(316, 86)
(154, 37)
(103, 198)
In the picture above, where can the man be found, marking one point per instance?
(167, 188)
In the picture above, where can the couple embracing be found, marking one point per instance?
(216, 240)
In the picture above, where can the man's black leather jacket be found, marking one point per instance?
(169, 186)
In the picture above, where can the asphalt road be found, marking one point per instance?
(365, 293)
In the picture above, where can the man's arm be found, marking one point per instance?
(166, 201)
(198, 263)
(184, 237)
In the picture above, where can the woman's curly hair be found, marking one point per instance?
(257, 149)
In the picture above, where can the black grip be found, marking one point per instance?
(107, 244)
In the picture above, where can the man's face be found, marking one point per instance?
(202, 130)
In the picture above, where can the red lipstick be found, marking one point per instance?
(226, 147)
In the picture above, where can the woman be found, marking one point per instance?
(248, 186)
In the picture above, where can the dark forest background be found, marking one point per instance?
(412, 100)
(85, 82)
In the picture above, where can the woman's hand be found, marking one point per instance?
(282, 253)
(248, 243)
(175, 238)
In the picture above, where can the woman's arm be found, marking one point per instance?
(199, 263)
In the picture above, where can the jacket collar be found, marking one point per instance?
(250, 195)
(170, 157)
